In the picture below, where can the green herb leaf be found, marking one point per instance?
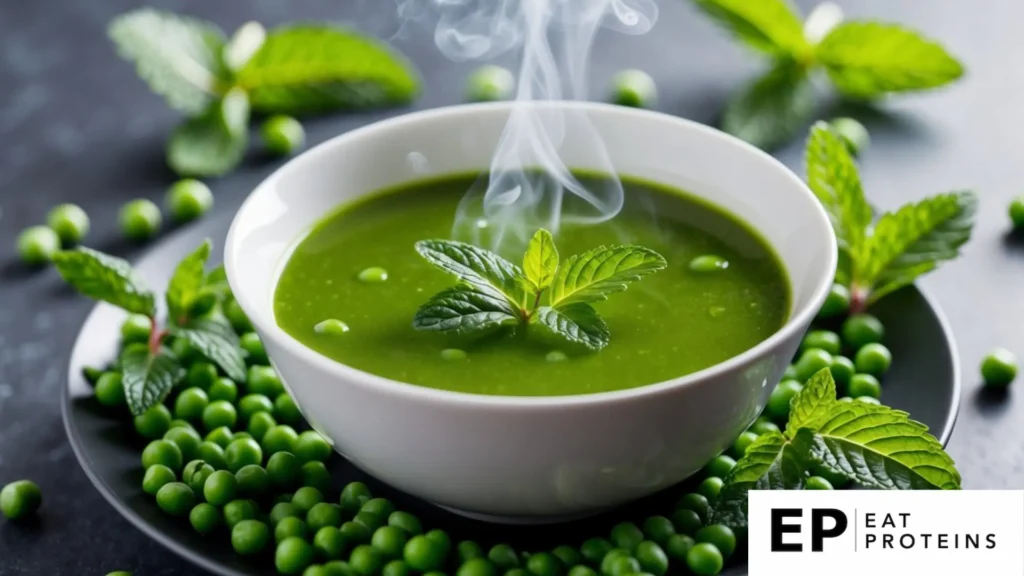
(465, 309)
(211, 144)
(771, 463)
(216, 277)
(215, 340)
(771, 26)
(178, 57)
(541, 260)
(313, 68)
(104, 277)
(148, 378)
(812, 403)
(832, 176)
(488, 272)
(867, 59)
(593, 275)
(186, 281)
(576, 323)
(879, 447)
(244, 44)
(914, 240)
(773, 108)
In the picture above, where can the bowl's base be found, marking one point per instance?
(518, 520)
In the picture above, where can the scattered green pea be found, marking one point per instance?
(404, 520)
(251, 343)
(199, 477)
(842, 370)
(999, 368)
(453, 354)
(329, 543)
(555, 356)
(282, 510)
(790, 373)
(1016, 211)
(864, 385)
(222, 389)
(704, 559)
(315, 474)
(213, 455)
(162, 452)
(331, 327)
(155, 478)
(353, 495)
(265, 381)
(175, 498)
(762, 426)
(424, 554)
(293, 555)
(778, 402)
(253, 403)
(282, 135)
(140, 219)
(811, 362)
(190, 404)
(710, 487)
(238, 510)
(626, 535)
(259, 424)
(696, 502)
(634, 88)
(873, 359)
(70, 222)
(490, 83)
(861, 329)
(581, 570)
(153, 423)
(311, 446)
(544, 564)
(658, 529)
(853, 134)
(678, 546)
(253, 481)
(740, 445)
(370, 520)
(136, 329)
(610, 557)
(720, 466)
(504, 557)
(236, 316)
(110, 390)
(395, 568)
(567, 555)
(188, 199)
(280, 438)
(220, 435)
(476, 567)
(366, 560)
(837, 302)
(242, 452)
(652, 558)
(186, 439)
(379, 506)
(201, 375)
(817, 483)
(20, 499)
(337, 568)
(205, 518)
(37, 245)
(373, 275)
(823, 339)
(305, 498)
(721, 536)
(618, 566)
(708, 263)
(325, 514)
(285, 410)
(288, 527)
(390, 541)
(355, 533)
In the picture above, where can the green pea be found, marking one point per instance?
(288, 527)
(91, 374)
(762, 426)
(260, 423)
(119, 573)
(70, 222)
(252, 403)
(155, 478)
(20, 499)
(213, 455)
(622, 565)
(404, 520)
(365, 560)
(315, 474)
(110, 390)
(136, 329)
(453, 354)
(282, 135)
(253, 481)
(555, 356)
(236, 317)
(284, 470)
(282, 510)
(175, 498)
(424, 554)
(305, 498)
(790, 373)
(512, 572)
(184, 351)
(708, 263)
(626, 535)
(696, 502)
(324, 514)
(280, 438)
(544, 564)
(817, 483)
(338, 568)
(610, 557)
(190, 470)
(251, 343)
(187, 440)
(329, 543)
(837, 302)
(220, 487)
(594, 550)
(293, 555)
(373, 275)
(710, 487)
(37, 245)
(389, 540)
(720, 466)
(853, 134)
(873, 359)
(370, 520)
(504, 557)
(721, 536)
(205, 518)
(652, 558)
(311, 446)
(285, 410)
(490, 83)
(634, 88)
(238, 510)
(811, 362)
(189, 405)
(861, 329)
(567, 555)
(865, 385)
(822, 339)
(778, 402)
(162, 452)
(316, 570)
(242, 452)
(477, 567)
(704, 559)
(999, 368)
(658, 529)
(395, 568)
(686, 521)
(379, 506)
(140, 219)
(201, 375)
(356, 533)
(153, 423)
(198, 479)
(178, 423)
(678, 546)
(1016, 211)
(221, 435)
(223, 389)
(353, 495)
(264, 380)
(742, 442)
(842, 370)
(581, 570)
(188, 199)
(331, 327)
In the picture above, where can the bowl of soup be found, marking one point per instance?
(503, 428)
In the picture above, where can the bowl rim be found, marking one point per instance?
(264, 321)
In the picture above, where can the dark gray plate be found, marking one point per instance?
(924, 381)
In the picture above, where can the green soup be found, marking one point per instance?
(673, 323)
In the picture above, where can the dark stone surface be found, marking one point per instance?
(77, 125)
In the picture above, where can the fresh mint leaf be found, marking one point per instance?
(914, 240)
(186, 281)
(211, 144)
(244, 44)
(465, 309)
(772, 462)
(773, 108)
(104, 277)
(148, 377)
(486, 271)
(317, 68)
(593, 275)
(215, 340)
(216, 277)
(179, 57)
(811, 404)
(541, 260)
(576, 323)
(879, 447)
(832, 176)
(770, 26)
(868, 59)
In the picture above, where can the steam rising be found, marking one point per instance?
(528, 182)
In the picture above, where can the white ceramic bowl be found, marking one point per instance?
(528, 457)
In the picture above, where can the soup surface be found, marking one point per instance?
(673, 323)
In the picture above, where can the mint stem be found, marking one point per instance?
(155, 337)
(858, 299)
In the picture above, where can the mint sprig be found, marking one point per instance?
(863, 60)
(880, 255)
(105, 278)
(873, 445)
(550, 298)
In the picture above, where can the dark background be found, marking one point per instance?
(77, 125)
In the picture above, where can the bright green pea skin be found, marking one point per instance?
(242, 452)
(842, 370)
(311, 446)
(544, 564)
(490, 83)
(264, 380)
(390, 541)
(356, 533)
(567, 555)
(136, 329)
(188, 199)
(373, 275)
(370, 520)
(175, 498)
(864, 385)
(315, 570)
(626, 535)
(190, 470)
(696, 502)
(837, 302)
(634, 88)
(581, 570)
(873, 359)
(861, 329)
(338, 568)
(424, 554)
(162, 452)
(153, 423)
(198, 480)
(20, 499)
(778, 402)
(378, 506)
(325, 514)
(365, 560)
(37, 245)
(761, 426)
(288, 527)
(252, 403)
(109, 390)
(179, 423)
(260, 423)
(282, 135)
(223, 389)
(221, 435)
(280, 438)
(704, 559)
(220, 488)
(477, 567)
(252, 345)
(305, 498)
(285, 410)
(70, 222)
(854, 135)
(686, 521)
(331, 327)
(822, 339)
(213, 455)
(678, 546)
(817, 483)
(610, 557)
(811, 362)
(238, 510)
(190, 404)
(155, 478)
(999, 368)
(708, 263)
(253, 481)
(293, 555)
(619, 566)
(205, 518)
(140, 219)
(329, 543)
(721, 536)
(504, 557)
(201, 375)
(284, 470)
(119, 573)
(187, 440)
(710, 488)
(236, 316)
(453, 354)
(404, 520)
(658, 529)
(353, 495)
(652, 558)
(1016, 211)
(742, 442)
(720, 466)
(282, 510)
(315, 474)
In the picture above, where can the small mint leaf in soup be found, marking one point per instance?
(465, 309)
(593, 275)
(577, 324)
(541, 260)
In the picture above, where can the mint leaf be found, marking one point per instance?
(879, 447)
(211, 144)
(541, 260)
(576, 323)
(148, 378)
(771, 26)
(811, 404)
(186, 281)
(773, 108)
(488, 272)
(178, 57)
(868, 59)
(832, 176)
(465, 309)
(244, 44)
(315, 68)
(593, 275)
(215, 340)
(216, 277)
(914, 240)
(771, 463)
(103, 277)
